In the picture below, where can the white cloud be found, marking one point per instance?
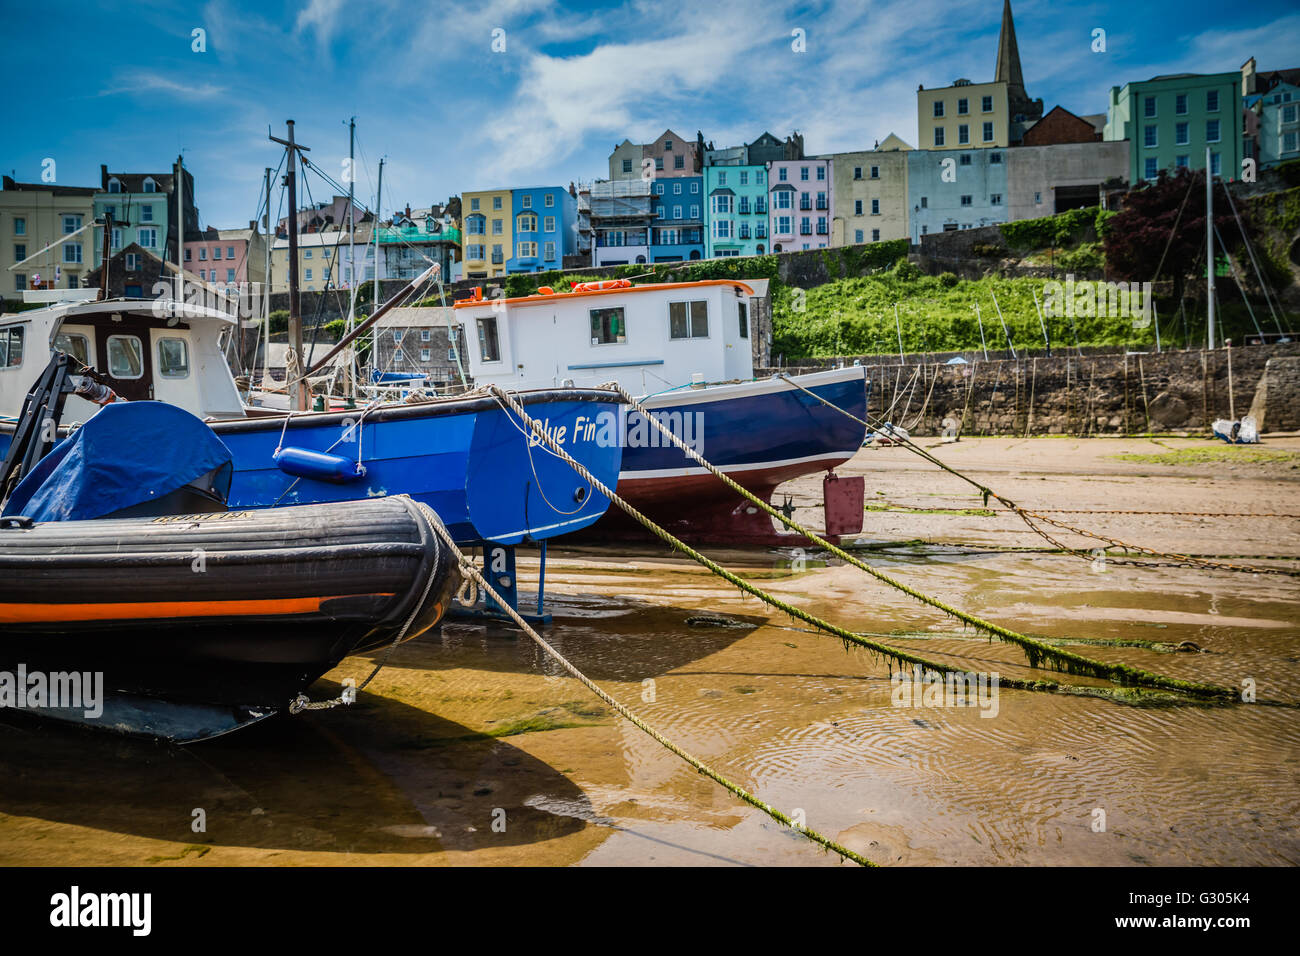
(144, 83)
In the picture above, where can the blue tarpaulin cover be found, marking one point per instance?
(126, 454)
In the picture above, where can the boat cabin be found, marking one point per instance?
(649, 338)
(143, 349)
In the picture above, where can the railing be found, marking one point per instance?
(823, 204)
(760, 233)
(822, 230)
(805, 205)
(805, 230)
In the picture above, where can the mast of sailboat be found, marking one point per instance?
(297, 394)
(379, 192)
(179, 192)
(1209, 246)
(350, 372)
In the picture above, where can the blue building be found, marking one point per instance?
(677, 223)
(951, 189)
(545, 228)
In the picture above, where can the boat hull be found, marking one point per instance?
(760, 434)
(237, 610)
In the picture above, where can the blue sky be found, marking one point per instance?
(120, 83)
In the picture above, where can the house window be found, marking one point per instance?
(679, 162)
(498, 227)
(71, 224)
(1288, 114)
(203, 274)
(875, 207)
(203, 254)
(1289, 141)
(473, 204)
(549, 251)
(783, 174)
(677, 189)
(938, 108)
(1149, 106)
(677, 212)
(1149, 136)
(474, 252)
(722, 229)
(659, 163)
(496, 202)
(173, 358)
(125, 357)
(785, 225)
(425, 335)
(925, 202)
(722, 204)
(1180, 134)
(963, 106)
(938, 136)
(857, 207)
(216, 253)
(803, 173)
(11, 339)
(857, 235)
(149, 238)
(627, 165)
(72, 253)
(398, 355)
(306, 274)
(965, 200)
(424, 355)
(548, 200)
(488, 348)
(114, 186)
(988, 132)
(875, 172)
(527, 250)
(526, 201)
(1038, 198)
(607, 326)
(695, 212)
(995, 199)
(659, 189)
(1181, 162)
(986, 104)
(325, 253)
(149, 185)
(995, 159)
(722, 179)
(744, 177)
(783, 199)
(875, 234)
(1215, 168)
(688, 320)
(20, 252)
(527, 222)
(451, 354)
(695, 187)
(548, 224)
(965, 159)
(133, 262)
(230, 252)
(20, 283)
(742, 311)
(857, 172)
(963, 134)
(230, 275)
(1212, 131)
(20, 226)
(1149, 168)
(1180, 104)
(1212, 101)
(146, 213)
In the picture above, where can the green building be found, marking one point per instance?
(1170, 120)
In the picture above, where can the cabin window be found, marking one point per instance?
(688, 320)
(743, 310)
(75, 345)
(11, 347)
(608, 326)
(125, 357)
(489, 349)
(173, 358)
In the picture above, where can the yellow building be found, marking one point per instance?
(33, 215)
(322, 260)
(964, 115)
(487, 237)
(870, 194)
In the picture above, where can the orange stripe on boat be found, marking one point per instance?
(154, 610)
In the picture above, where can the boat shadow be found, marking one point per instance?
(379, 777)
(609, 639)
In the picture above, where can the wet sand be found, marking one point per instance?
(470, 749)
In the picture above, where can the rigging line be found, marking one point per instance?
(1174, 230)
(1250, 250)
(1240, 285)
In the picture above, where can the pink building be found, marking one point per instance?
(227, 257)
(799, 204)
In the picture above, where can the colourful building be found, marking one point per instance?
(1272, 102)
(34, 215)
(736, 210)
(955, 189)
(544, 228)
(488, 232)
(677, 223)
(869, 202)
(144, 211)
(1170, 120)
(799, 203)
(227, 257)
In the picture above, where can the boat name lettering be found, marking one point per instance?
(214, 516)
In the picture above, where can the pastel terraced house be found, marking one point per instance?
(800, 200)
(869, 198)
(488, 234)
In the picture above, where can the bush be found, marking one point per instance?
(948, 280)
(1062, 229)
(278, 321)
(906, 270)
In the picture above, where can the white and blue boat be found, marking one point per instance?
(466, 457)
(684, 349)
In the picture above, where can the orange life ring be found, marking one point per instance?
(600, 286)
(545, 290)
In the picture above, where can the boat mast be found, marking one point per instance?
(379, 192)
(1209, 246)
(349, 375)
(180, 232)
(297, 394)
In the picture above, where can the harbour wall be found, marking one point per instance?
(1085, 394)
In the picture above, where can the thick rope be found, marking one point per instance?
(1030, 517)
(1035, 650)
(472, 573)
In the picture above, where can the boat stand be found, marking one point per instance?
(499, 569)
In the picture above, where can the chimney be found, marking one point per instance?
(408, 210)
(1249, 77)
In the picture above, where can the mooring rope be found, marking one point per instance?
(1030, 517)
(1035, 650)
(474, 574)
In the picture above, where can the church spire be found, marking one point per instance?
(1008, 69)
